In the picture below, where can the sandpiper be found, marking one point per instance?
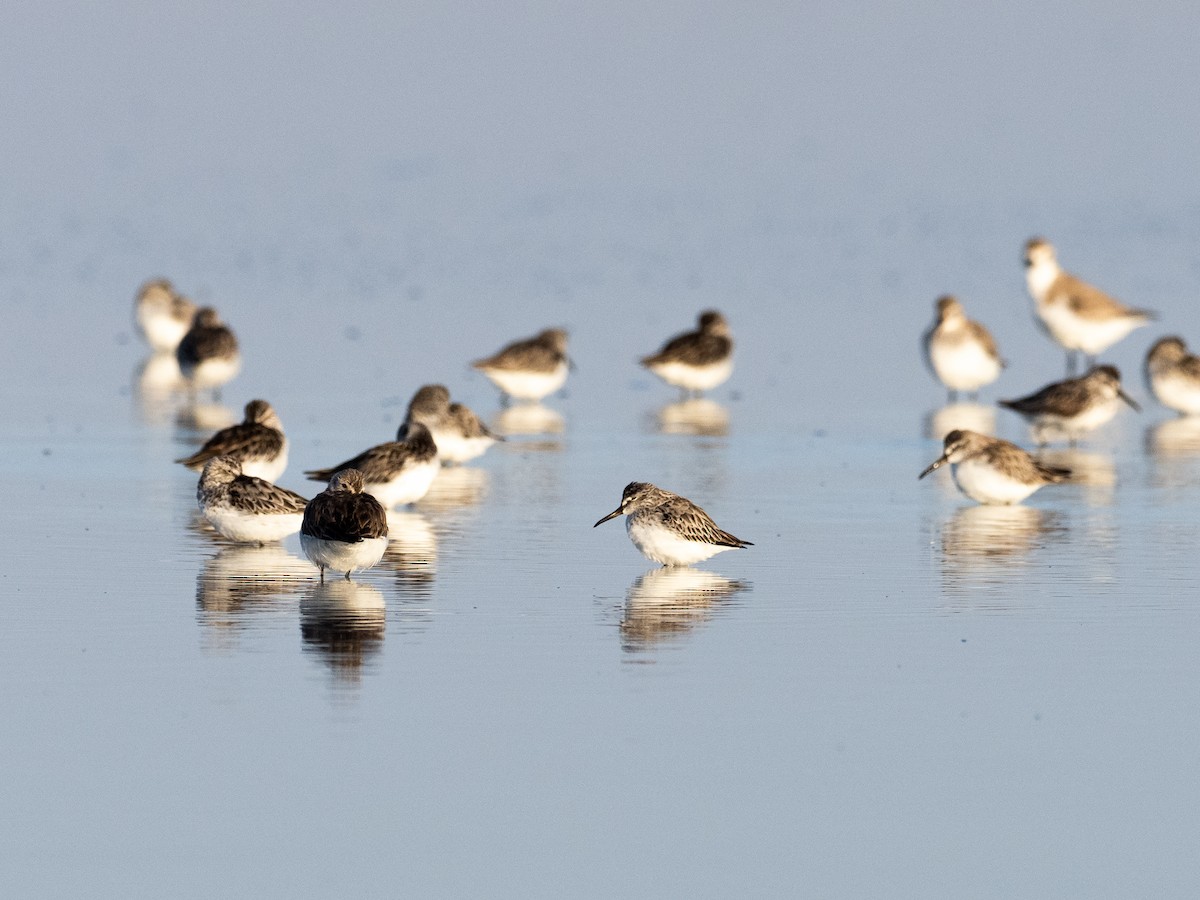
(257, 442)
(344, 529)
(208, 354)
(162, 315)
(1077, 315)
(670, 529)
(992, 471)
(397, 472)
(459, 434)
(244, 508)
(1174, 375)
(698, 360)
(1068, 409)
(960, 352)
(529, 369)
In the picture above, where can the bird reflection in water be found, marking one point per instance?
(984, 545)
(412, 550)
(1174, 448)
(697, 416)
(343, 622)
(456, 487)
(530, 419)
(666, 604)
(159, 387)
(1096, 473)
(242, 583)
(960, 417)
(1178, 437)
(198, 421)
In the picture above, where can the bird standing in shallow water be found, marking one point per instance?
(992, 471)
(698, 360)
(257, 442)
(960, 352)
(1071, 408)
(529, 369)
(343, 528)
(670, 529)
(1077, 315)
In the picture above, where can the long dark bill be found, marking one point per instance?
(937, 463)
(612, 515)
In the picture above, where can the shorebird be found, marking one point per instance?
(529, 369)
(1071, 408)
(698, 360)
(992, 471)
(244, 508)
(960, 352)
(257, 442)
(344, 529)
(397, 472)
(670, 529)
(1077, 315)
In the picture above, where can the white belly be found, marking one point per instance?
(454, 448)
(983, 483)
(340, 556)
(267, 469)
(212, 373)
(408, 487)
(694, 378)
(1092, 336)
(1047, 426)
(247, 528)
(963, 366)
(528, 385)
(1177, 392)
(665, 546)
(163, 332)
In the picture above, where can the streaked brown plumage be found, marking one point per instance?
(258, 436)
(381, 463)
(542, 353)
(708, 344)
(1070, 397)
(342, 512)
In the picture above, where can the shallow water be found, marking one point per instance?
(893, 693)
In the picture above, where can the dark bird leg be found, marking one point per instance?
(322, 568)
(347, 574)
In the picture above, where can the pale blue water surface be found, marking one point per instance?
(892, 694)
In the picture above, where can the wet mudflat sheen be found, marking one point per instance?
(894, 693)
